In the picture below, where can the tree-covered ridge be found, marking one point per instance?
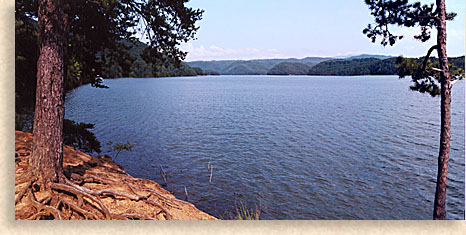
(289, 68)
(370, 66)
(250, 67)
(124, 59)
(99, 44)
(366, 66)
(293, 66)
(141, 68)
(350, 66)
(363, 56)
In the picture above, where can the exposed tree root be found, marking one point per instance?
(85, 203)
(168, 201)
(87, 178)
(92, 189)
(82, 202)
(24, 190)
(43, 209)
(82, 193)
(77, 208)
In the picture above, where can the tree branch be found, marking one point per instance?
(426, 58)
(436, 18)
(453, 82)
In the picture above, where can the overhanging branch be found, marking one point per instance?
(436, 18)
(453, 82)
(424, 64)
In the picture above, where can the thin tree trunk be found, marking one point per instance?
(442, 175)
(47, 155)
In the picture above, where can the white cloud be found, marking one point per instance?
(408, 47)
(214, 52)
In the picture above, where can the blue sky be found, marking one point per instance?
(253, 29)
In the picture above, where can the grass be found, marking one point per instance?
(242, 213)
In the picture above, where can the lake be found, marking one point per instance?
(298, 147)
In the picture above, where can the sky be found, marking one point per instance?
(259, 29)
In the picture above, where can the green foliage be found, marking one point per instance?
(73, 74)
(401, 13)
(427, 80)
(119, 147)
(384, 67)
(243, 68)
(79, 136)
(424, 72)
(289, 68)
(169, 22)
(457, 61)
(372, 66)
(364, 56)
(101, 36)
(140, 68)
(429, 76)
(250, 67)
(366, 66)
(210, 72)
(242, 213)
(351, 66)
(175, 71)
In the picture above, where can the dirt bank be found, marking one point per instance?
(119, 195)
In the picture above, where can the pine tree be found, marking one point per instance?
(432, 80)
(84, 28)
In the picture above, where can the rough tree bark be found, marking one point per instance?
(442, 175)
(45, 165)
(47, 156)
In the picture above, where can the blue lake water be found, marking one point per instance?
(298, 147)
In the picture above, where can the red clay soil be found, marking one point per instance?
(97, 189)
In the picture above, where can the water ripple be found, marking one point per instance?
(301, 147)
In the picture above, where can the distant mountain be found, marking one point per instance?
(351, 67)
(363, 64)
(289, 68)
(250, 67)
(364, 56)
(367, 66)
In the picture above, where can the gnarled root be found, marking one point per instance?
(68, 200)
(85, 191)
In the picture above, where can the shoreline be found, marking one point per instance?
(160, 203)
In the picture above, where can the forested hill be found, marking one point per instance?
(367, 66)
(289, 68)
(250, 67)
(141, 69)
(348, 67)
(83, 62)
(82, 65)
(364, 56)
(351, 66)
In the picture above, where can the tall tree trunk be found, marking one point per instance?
(442, 175)
(47, 155)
